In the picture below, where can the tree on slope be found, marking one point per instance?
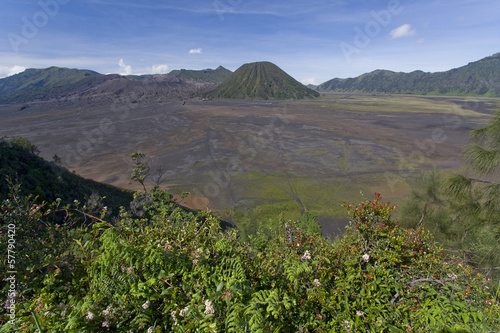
(476, 196)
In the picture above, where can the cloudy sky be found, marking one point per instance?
(314, 40)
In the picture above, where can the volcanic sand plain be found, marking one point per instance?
(254, 161)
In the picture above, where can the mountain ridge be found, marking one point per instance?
(257, 80)
(210, 75)
(33, 84)
(478, 78)
(60, 82)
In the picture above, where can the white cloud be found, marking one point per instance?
(195, 51)
(8, 71)
(159, 69)
(402, 31)
(126, 69)
(421, 41)
(310, 81)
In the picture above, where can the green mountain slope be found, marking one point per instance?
(205, 75)
(261, 80)
(50, 181)
(477, 78)
(208, 75)
(47, 83)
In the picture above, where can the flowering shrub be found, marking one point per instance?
(169, 270)
(415, 286)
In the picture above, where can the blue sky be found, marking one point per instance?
(313, 41)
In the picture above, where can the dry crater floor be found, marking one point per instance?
(250, 161)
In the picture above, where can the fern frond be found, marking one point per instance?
(234, 321)
(294, 270)
(141, 320)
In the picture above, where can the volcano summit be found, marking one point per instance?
(261, 80)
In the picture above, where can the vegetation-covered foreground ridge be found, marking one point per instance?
(167, 270)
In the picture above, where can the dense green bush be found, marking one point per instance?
(172, 271)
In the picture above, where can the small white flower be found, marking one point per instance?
(105, 208)
(306, 256)
(89, 315)
(151, 329)
(360, 313)
(105, 324)
(183, 311)
(75, 201)
(452, 276)
(58, 199)
(366, 257)
(316, 282)
(209, 309)
(145, 305)
(107, 312)
(195, 261)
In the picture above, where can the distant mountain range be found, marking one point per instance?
(259, 80)
(207, 75)
(33, 84)
(479, 78)
(57, 83)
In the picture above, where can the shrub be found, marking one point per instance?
(172, 271)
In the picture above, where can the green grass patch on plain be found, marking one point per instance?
(391, 103)
(269, 197)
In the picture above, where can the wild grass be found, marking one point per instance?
(267, 198)
(398, 103)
